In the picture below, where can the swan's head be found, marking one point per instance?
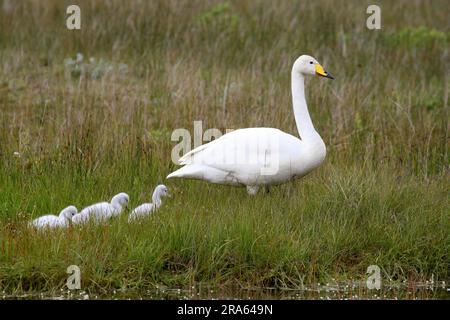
(307, 65)
(69, 212)
(160, 191)
(120, 199)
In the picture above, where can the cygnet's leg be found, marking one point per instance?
(267, 188)
(252, 190)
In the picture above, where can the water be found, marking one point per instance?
(341, 291)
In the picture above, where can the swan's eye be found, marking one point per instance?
(311, 62)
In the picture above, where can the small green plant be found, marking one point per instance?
(431, 101)
(220, 18)
(93, 68)
(417, 37)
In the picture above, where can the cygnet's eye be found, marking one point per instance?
(311, 62)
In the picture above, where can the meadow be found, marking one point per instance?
(87, 114)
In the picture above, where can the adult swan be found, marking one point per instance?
(257, 157)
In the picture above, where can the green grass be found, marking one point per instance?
(381, 197)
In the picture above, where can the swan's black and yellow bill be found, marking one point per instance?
(321, 72)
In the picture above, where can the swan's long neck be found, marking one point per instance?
(116, 204)
(305, 126)
(156, 199)
(64, 215)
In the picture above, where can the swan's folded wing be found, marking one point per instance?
(98, 209)
(140, 211)
(188, 157)
(143, 209)
(48, 221)
(245, 150)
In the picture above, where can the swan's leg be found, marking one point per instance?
(267, 189)
(252, 190)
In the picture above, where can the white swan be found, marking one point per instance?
(103, 210)
(52, 221)
(147, 208)
(257, 157)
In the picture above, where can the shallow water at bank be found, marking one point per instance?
(342, 291)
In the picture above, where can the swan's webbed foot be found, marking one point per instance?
(252, 190)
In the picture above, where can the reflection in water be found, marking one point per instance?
(348, 290)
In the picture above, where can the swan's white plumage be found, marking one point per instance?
(148, 208)
(141, 210)
(102, 211)
(52, 221)
(261, 156)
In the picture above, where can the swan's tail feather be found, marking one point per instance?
(188, 157)
(198, 171)
(185, 172)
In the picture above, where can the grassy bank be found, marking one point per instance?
(77, 132)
